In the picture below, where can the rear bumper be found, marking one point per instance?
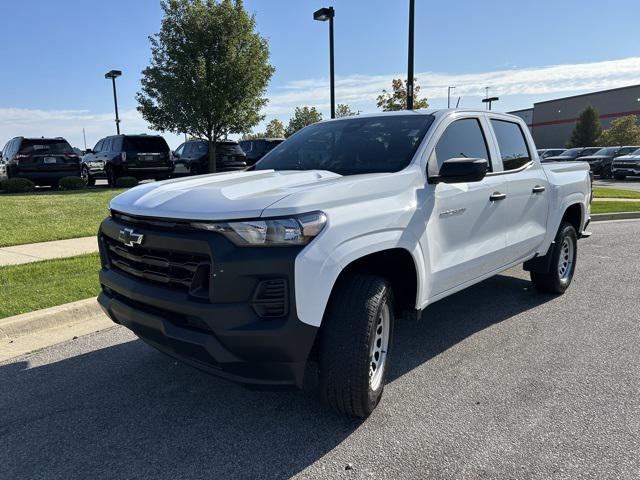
(45, 175)
(223, 335)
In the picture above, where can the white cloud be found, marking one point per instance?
(360, 91)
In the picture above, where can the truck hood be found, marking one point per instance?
(221, 196)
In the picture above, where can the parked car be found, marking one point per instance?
(258, 148)
(573, 154)
(625, 165)
(44, 161)
(351, 222)
(549, 152)
(192, 157)
(139, 156)
(3, 169)
(600, 162)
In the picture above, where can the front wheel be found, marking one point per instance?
(355, 343)
(88, 180)
(606, 172)
(563, 262)
(619, 177)
(112, 176)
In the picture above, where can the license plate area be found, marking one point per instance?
(49, 160)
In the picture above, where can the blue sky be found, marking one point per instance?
(54, 55)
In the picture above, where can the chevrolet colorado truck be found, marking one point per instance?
(347, 225)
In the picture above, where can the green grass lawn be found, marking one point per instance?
(605, 192)
(43, 216)
(33, 286)
(614, 207)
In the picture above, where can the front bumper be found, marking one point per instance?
(626, 170)
(221, 331)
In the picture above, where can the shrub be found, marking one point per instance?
(17, 185)
(126, 182)
(71, 183)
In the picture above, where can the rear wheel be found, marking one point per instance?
(355, 344)
(617, 176)
(194, 169)
(563, 262)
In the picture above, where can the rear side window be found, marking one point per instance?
(462, 139)
(39, 146)
(146, 144)
(512, 145)
(106, 146)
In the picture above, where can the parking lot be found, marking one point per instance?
(496, 382)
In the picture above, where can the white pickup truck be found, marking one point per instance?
(349, 224)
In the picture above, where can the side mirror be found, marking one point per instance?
(457, 170)
(177, 155)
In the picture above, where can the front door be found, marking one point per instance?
(466, 234)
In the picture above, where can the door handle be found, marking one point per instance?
(496, 196)
(538, 189)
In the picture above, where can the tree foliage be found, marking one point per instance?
(275, 129)
(397, 98)
(344, 110)
(623, 131)
(587, 129)
(302, 117)
(208, 73)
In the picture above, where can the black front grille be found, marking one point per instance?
(184, 271)
(271, 298)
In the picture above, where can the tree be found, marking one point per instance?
(209, 71)
(397, 98)
(343, 110)
(301, 118)
(275, 129)
(623, 131)
(587, 129)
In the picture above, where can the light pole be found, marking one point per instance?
(113, 74)
(323, 15)
(412, 5)
(490, 100)
(449, 96)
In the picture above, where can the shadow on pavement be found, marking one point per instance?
(127, 411)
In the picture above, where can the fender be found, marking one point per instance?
(317, 270)
(555, 217)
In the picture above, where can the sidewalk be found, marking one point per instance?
(34, 252)
(616, 199)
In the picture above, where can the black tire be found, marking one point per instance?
(348, 332)
(619, 177)
(606, 172)
(194, 169)
(552, 281)
(88, 180)
(112, 176)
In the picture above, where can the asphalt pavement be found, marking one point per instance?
(630, 183)
(497, 381)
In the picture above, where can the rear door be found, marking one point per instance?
(466, 233)
(527, 202)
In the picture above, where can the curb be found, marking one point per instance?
(602, 217)
(30, 323)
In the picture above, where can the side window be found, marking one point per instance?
(246, 146)
(463, 138)
(116, 144)
(180, 150)
(188, 148)
(98, 146)
(513, 147)
(106, 146)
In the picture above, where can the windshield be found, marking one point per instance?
(43, 146)
(606, 151)
(351, 147)
(146, 144)
(573, 152)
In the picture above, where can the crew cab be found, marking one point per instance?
(309, 257)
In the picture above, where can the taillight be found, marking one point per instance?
(123, 155)
(22, 156)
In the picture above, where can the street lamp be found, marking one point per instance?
(323, 15)
(490, 100)
(412, 9)
(113, 74)
(449, 96)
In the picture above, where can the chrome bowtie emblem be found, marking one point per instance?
(130, 238)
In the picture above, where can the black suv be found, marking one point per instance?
(192, 157)
(139, 156)
(44, 161)
(572, 154)
(600, 162)
(258, 148)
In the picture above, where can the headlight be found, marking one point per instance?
(297, 230)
